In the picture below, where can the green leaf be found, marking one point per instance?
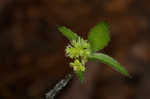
(109, 61)
(80, 75)
(68, 33)
(99, 36)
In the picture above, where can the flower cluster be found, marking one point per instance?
(79, 50)
(77, 66)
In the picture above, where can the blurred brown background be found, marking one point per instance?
(32, 56)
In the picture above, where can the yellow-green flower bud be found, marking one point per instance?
(78, 48)
(77, 66)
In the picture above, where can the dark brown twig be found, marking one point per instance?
(58, 87)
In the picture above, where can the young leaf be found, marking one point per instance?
(109, 61)
(68, 33)
(99, 36)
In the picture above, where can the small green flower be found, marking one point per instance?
(78, 48)
(77, 66)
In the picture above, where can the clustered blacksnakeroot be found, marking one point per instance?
(78, 50)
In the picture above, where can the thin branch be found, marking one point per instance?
(58, 87)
